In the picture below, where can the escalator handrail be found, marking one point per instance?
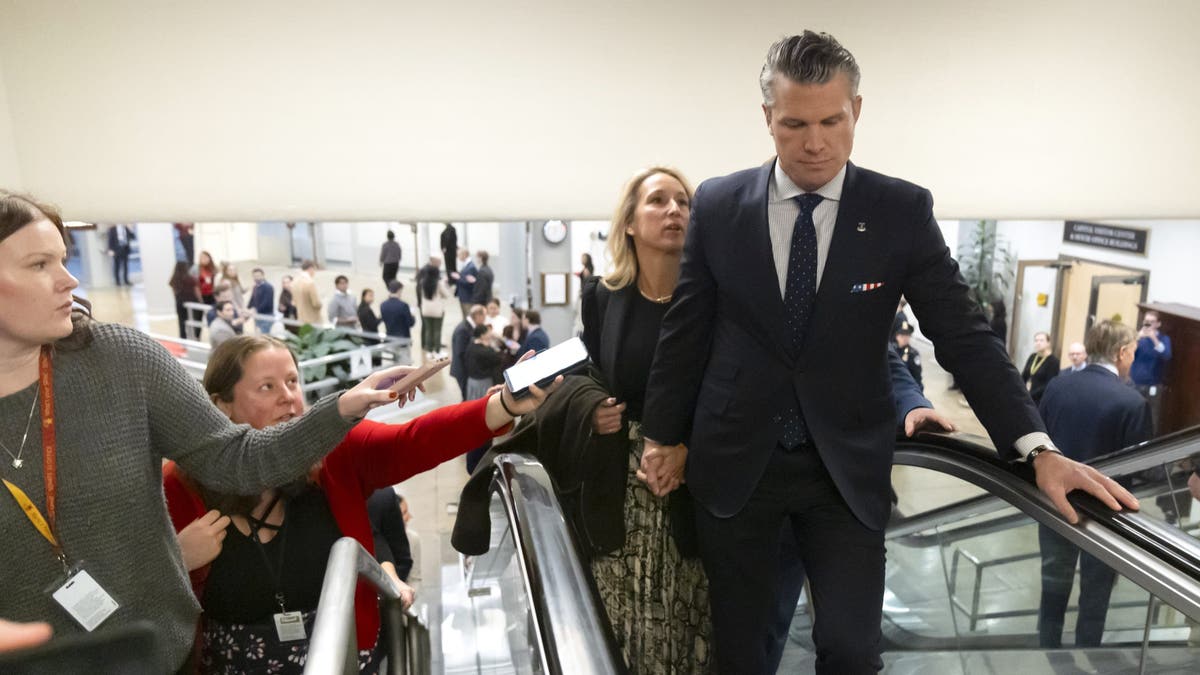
(333, 646)
(567, 616)
(1095, 534)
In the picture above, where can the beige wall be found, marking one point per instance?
(480, 110)
(10, 169)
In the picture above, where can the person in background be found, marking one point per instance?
(1149, 366)
(229, 275)
(1078, 356)
(120, 243)
(483, 362)
(414, 543)
(287, 307)
(536, 338)
(1089, 414)
(449, 243)
(900, 319)
(152, 409)
(206, 276)
(459, 341)
(1040, 367)
(587, 269)
(304, 290)
(342, 312)
(220, 329)
(185, 289)
(389, 258)
(432, 293)
(366, 314)
(255, 381)
(225, 294)
(494, 318)
(902, 343)
(262, 301)
(187, 239)
(464, 280)
(520, 332)
(481, 291)
(398, 322)
(387, 526)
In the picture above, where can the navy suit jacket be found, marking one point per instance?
(537, 340)
(1092, 413)
(463, 288)
(460, 339)
(725, 369)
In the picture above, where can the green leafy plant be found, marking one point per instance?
(314, 343)
(988, 265)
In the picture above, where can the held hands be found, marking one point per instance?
(378, 388)
(607, 418)
(662, 467)
(202, 539)
(925, 419)
(1058, 475)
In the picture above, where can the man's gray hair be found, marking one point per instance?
(1104, 341)
(811, 58)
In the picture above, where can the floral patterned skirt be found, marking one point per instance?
(232, 648)
(657, 600)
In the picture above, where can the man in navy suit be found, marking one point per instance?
(535, 338)
(1089, 414)
(786, 408)
(464, 280)
(120, 243)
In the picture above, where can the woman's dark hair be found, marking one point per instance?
(226, 367)
(211, 267)
(18, 210)
(479, 330)
(429, 281)
(362, 297)
(588, 264)
(180, 276)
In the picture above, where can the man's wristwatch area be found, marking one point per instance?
(1039, 450)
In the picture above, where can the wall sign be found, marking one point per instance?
(1113, 237)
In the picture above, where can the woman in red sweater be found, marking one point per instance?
(267, 565)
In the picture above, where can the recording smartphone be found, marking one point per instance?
(414, 378)
(543, 367)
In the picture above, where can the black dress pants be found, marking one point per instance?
(843, 559)
(389, 273)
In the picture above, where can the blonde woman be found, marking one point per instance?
(656, 595)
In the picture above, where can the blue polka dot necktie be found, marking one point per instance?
(800, 291)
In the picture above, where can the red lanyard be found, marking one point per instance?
(46, 526)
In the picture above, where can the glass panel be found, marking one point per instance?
(498, 620)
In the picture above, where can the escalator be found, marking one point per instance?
(962, 583)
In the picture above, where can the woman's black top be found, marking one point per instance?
(241, 586)
(636, 353)
(367, 318)
(1038, 381)
(483, 363)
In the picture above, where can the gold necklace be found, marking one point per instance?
(660, 300)
(17, 462)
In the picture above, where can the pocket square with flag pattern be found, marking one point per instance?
(863, 288)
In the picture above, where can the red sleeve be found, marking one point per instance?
(185, 506)
(379, 455)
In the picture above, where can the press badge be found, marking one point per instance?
(84, 599)
(290, 626)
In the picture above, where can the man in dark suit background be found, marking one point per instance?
(536, 337)
(780, 431)
(460, 339)
(120, 243)
(1089, 414)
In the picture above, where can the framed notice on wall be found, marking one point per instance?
(1113, 237)
(554, 288)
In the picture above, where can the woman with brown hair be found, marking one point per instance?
(185, 288)
(111, 404)
(249, 573)
(655, 596)
(206, 276)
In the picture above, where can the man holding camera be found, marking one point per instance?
(1149, 363)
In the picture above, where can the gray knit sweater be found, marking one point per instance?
(122, 405)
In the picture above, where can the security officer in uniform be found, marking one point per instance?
(908, 353)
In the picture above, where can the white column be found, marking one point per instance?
(157, 244)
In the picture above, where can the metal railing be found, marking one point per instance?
(334, 645)
(568, 625)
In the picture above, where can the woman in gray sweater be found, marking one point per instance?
(113, 404)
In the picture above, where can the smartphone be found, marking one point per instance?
(414, 378)
(543, 367)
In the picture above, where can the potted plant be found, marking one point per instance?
(313, 343)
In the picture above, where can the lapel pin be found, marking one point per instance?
(862, 227)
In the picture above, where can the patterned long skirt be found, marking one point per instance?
(657, 600)
(226, 649)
